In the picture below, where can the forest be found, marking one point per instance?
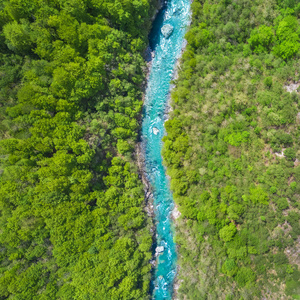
(72, 219)
(232, 151)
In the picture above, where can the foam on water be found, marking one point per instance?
(167, 51)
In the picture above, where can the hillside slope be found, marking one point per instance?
(71, 203)
(232, 151)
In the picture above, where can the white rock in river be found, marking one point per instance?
(155, 130)
(159, 249)
(167, 30)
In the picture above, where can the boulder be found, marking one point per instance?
(155, 130)
(159, 249)
(167, 30)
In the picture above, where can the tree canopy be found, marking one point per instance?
(72, 215)
(232, 151)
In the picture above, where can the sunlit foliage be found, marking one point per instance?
(232, 151)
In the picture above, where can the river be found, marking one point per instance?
(166, 51)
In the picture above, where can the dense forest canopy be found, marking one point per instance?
(71, 203)
(233, 151)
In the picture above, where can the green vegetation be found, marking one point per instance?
(71, 204)
(233, 151)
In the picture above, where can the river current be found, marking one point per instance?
(166, 53)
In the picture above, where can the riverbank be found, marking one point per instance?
(139, 153)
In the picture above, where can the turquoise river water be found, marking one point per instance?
(167, 51)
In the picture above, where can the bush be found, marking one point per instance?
(123, 146)
(245, 276)
(261, 39)
(288, 38)
(282, 204)
(292, 288)
(198, 37)
(229, 267)
(227, 232)
(290, 154)
(237, 138)
(258, 195)
(268, 82)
